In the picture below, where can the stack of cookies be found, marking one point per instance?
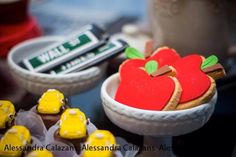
(166, 81)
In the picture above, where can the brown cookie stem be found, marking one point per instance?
(165, 70)
(149, 48)
(216, 71)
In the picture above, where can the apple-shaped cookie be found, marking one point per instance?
(143, 91)
(197, 87)
(164, 56)
(194, 73)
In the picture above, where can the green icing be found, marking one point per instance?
(209, 61)
(151, 66)
(133, 53)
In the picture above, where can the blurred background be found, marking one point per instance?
(206, 26)
(61, 17)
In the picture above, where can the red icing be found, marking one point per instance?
(145, 92)
(164, 56)
(193, 81)
(127, 68)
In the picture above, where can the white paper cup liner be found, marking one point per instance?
(33, 122)
(126, 153)
(36, 142)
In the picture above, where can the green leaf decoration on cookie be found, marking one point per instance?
(209, 61)
(151, 66)
(133, 53)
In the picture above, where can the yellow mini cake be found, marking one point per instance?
(102, 140)
(7, 112)
(17, 137)
(50, 106)
(72, 128)
(73, 124)
(51, 102)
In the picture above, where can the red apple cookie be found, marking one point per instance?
(198, 88)
(143, 91)
(164, 56)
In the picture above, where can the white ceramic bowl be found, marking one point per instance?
(37, 83)
(152, 123)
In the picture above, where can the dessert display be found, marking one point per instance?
(40, 153)
(17, 136)
(72, 128)
(156, 94)
(50, 106)
(102, 139)
(7, 112)
(166, 81)
(161, 95)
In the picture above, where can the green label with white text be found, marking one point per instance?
(59, 51)
(81, 59)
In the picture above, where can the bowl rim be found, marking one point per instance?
(14, 65)
(138, 111)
